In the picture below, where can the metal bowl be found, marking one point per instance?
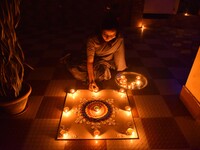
(131, 80)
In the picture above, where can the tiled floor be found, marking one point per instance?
(164, 55)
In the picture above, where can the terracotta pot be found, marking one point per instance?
(18, 105)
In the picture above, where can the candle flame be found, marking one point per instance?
(186, 14)
(66, 109)
(142, 28)
(128, 108)
(72, 91)
(121, 90)
(96, 134)
(128, 113)
(65, 135)
(138, 82)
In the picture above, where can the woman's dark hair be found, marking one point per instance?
(110, 22)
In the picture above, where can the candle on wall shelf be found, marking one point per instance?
(142, 28)
(186, 14)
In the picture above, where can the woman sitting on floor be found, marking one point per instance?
(104, 51)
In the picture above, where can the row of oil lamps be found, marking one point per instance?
(96, 134)
(121, 90)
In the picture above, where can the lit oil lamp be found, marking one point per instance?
(72, 91)
(142, 28)
(63, 133)
(97, 109)
(123, 80)
(66, 109)
(132, 85)
(129, 86)
(96, 133)
(130, 131)
(138, 82)
(138, 77)
(127, 108)
(186, 14)
(95, 90)
(123, 77)
(122, 90)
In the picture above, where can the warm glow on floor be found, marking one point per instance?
(97, 115)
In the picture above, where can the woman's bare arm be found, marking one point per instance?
(92, 83)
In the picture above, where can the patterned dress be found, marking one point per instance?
(107, 55)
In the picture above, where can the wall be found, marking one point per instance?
(193, 81)
(161, 6)
(190, 93)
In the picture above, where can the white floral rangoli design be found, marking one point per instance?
(103, 115)
(96, 112)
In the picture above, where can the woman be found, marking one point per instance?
(104, 51)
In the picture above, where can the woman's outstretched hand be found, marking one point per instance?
(93, 87)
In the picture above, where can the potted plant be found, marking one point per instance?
(14, 91)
